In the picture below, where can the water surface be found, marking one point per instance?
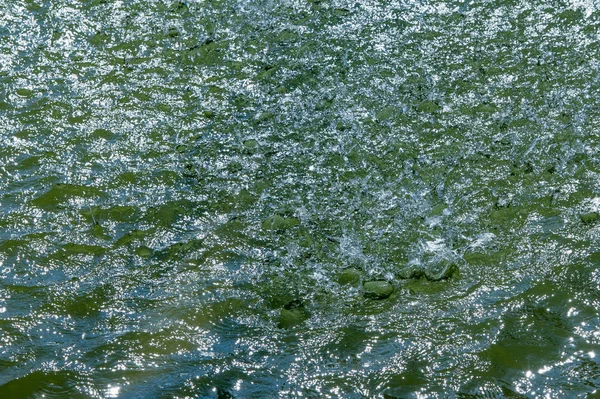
(192, 195)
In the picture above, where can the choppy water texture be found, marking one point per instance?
(193, 194)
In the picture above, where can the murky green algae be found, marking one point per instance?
(194, 194)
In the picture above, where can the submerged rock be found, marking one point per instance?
(250, 146)
(178, 6)
(293, 313)
(379, 289)
(440, 272)
(589, 217)
(143, 252)
(423, 287)
(224, 394)
(278, 222)
(386, 113)
(350, 275)
(99, 232)
(234, 167)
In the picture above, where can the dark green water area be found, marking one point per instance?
(299, 199)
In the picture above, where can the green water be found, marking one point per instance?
(286, 199)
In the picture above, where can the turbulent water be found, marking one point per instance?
(194, 194)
